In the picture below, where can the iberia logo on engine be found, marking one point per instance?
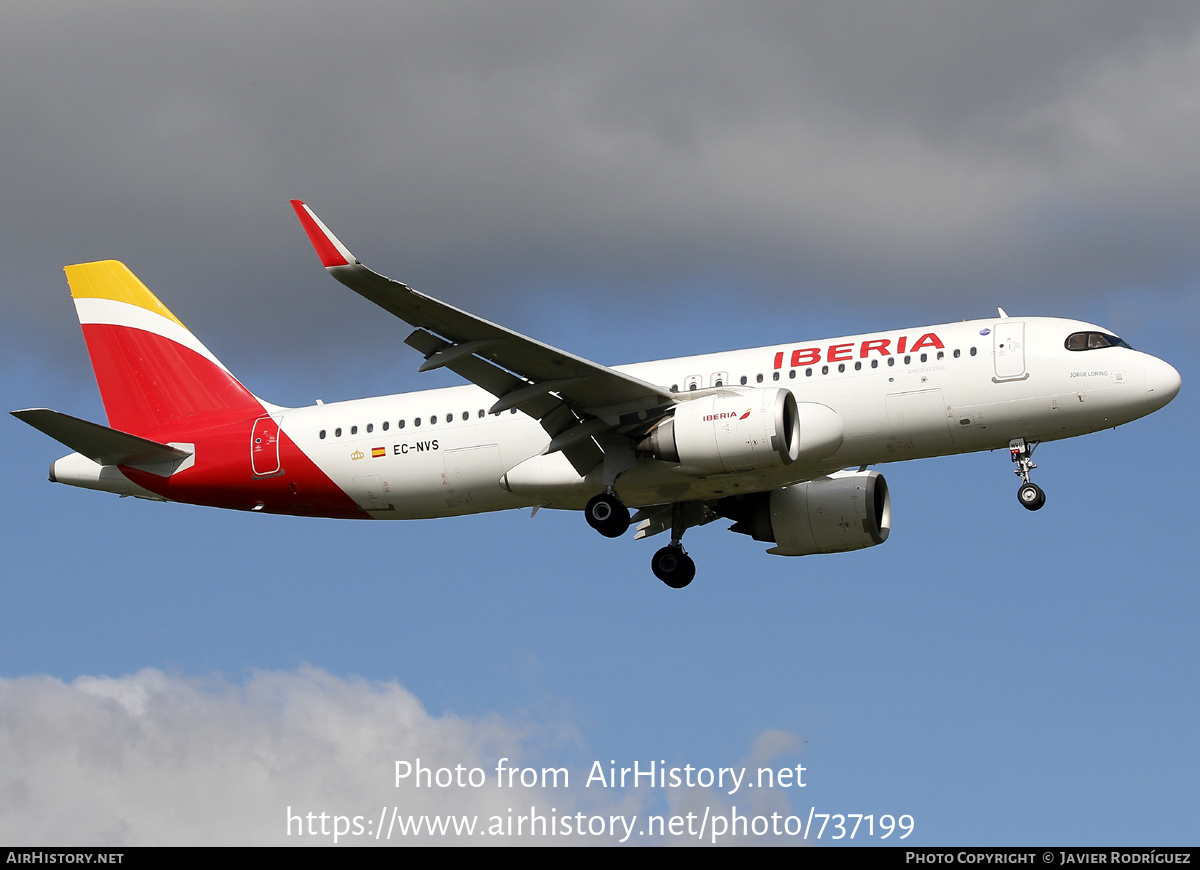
(725, 415)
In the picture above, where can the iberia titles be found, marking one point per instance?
(807, 356)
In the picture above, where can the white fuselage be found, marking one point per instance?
(927, 391)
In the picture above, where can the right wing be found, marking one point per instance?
(574, 399)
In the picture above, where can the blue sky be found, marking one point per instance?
(1001, 676)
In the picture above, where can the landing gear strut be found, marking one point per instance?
(1030, 495)
(606, 514)
(672, 565)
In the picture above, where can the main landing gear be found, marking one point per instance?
(606, 514)
(672, 565)
(1030, 495)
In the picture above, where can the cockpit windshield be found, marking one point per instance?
(1093, 341)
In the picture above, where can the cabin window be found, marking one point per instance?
(775, 376)
(449, 418)
(743, 380)
(322, 435)
(972, 351)
(792, 374)
(808, 373)
(891, 360)
(841, 367)
(353, 430)
(957, 354)
(481, 413)
(370, 428)
(416, 421)
(386, 424)
(758, 379)
(824, 370)
(941, 354)
(858, 366)
(399, 424)
(337, 433)
(907, 359)
(874, 363)
(924, 357)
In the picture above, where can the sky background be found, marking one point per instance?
(626, 181)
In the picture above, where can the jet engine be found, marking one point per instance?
(743, 430)
(847, 510)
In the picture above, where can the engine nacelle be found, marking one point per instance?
(750, 430)
(728, 432)
(848, 510)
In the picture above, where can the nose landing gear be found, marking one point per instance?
(1030, 495)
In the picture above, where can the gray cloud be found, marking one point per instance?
(934, 153)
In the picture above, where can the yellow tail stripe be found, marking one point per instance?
(108, 279)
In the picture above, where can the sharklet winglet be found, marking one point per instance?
(331, 251)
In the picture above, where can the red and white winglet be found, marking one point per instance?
(331, 251)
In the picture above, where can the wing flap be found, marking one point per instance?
(550, 412)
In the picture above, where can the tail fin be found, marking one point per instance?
(152, 372)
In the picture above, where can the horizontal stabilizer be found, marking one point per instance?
(99, 443)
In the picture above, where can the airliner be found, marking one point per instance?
(779, 440)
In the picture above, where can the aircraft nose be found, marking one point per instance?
(1162, 381)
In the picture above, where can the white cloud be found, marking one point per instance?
(157, 759)
(154, 759)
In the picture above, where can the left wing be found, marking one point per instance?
(574, 399)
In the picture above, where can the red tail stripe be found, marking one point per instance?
(149, 382)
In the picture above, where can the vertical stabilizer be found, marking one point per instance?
(152, 372)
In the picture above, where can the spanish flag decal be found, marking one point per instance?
(376, 452)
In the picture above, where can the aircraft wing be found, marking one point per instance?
(575, 399)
